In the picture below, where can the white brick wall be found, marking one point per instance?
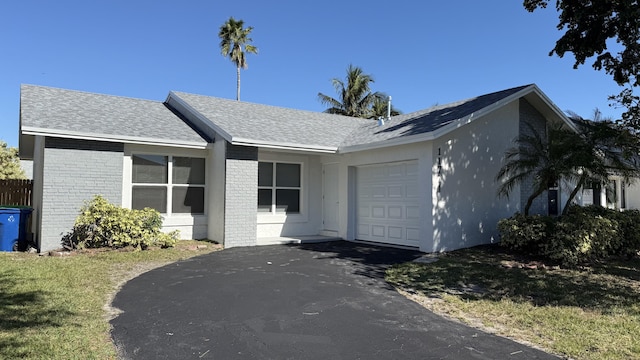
(73, 172)
(241, 196)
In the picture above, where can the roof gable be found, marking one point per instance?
(429, 122)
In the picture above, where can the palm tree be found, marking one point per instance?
(235, 44)
(544, 160)
(380, 106)
(354, 98)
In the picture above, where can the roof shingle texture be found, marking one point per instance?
(424, 121)
(264, 123)
(107, 116)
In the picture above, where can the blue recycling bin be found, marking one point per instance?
(13, 227)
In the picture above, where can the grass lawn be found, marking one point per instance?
(591, 313)
(56, 307)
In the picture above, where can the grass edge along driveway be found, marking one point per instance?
(587, 313)
(58, 307)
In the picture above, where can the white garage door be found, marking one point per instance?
(388, 208)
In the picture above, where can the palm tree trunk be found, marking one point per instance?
(530, 200)
(573, 194)
(238, 86)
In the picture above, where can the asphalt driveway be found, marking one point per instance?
(316, 301)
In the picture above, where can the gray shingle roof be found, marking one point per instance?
(425, 121)
(67, 112)
(263, 124)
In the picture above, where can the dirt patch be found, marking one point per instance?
(120, 276)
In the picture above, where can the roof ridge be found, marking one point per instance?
(87, 92)
(231, 101)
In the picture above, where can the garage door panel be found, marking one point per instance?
(377, 212)
(396, 191)
(388, 203)
(395, 212)
(378, 231)
(396, 232)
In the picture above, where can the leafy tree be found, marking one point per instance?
(235, 44)
(10, 167)
(605, 148)
(588, 27)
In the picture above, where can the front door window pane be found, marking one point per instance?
(149, 169)
(154, 197)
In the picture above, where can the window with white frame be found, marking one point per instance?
(169, 184)
(279, 187)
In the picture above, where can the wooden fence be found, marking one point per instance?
(16, 192)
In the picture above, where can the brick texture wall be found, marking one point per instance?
(528, 114)
(241, 196)
(74, 171)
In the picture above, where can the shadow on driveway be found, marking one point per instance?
(313, 301)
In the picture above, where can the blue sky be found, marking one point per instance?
(420, 53)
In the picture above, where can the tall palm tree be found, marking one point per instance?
(354, 97)
(235, 44)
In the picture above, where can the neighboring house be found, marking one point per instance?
(246, 174)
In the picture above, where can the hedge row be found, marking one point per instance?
(582, 235)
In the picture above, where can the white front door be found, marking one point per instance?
(330, 199)
(388, 205)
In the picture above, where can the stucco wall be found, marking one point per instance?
(241, 196)
(466, 208)
(73, 171)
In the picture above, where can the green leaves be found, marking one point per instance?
(10, 167)
(590, 28)
(102, 224)
(355, 97)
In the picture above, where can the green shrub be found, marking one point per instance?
(102, 224)
(584, 234)
(525, 233)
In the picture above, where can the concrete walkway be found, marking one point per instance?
(315, 301)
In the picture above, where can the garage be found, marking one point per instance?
(388, 208)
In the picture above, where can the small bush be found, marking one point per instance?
(102, 224)
(525, 233)
(584, 234)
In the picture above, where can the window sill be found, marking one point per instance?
(268, 218)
